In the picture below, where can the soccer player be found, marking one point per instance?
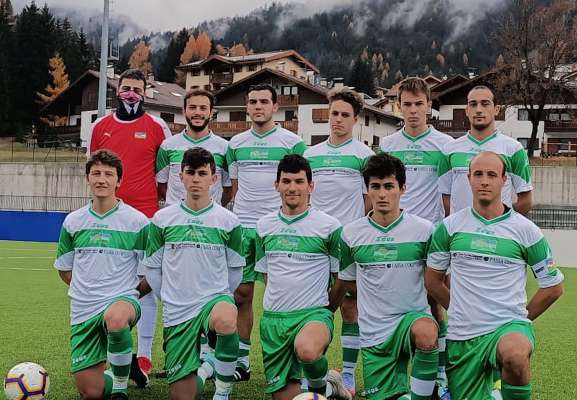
(135, 136)
(340, 192)
(198, 110)
(193, 263)
(488, 248)
(384, 255)
(482, 109)
(252, 158)
(99, 251)
(420, 148)
(297, 250)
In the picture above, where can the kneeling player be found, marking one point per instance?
(99, 250)
(194, 263)
(488, 248)
(385, 253)
(297, 249)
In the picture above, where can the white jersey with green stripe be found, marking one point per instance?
(422, 156)
(253, 160)
(458, 154)
(103, 252)
(337, 174)
(194, 251)
(488, 261)
(169, 159)
(388, 265)
(298, 254)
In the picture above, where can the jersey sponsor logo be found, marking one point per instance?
(140, 135)
(414, 157)
(385, 238)
(259, 154)
(290, 231)
(97, 225)
(485, 231)
(288, 243)
(386, 253)
(196, 235)
(414, 146)
(486, 259)
(334, 152)
(259, 143)
(194, 221)
(332, 162)
(484, 244)
(79, 359)
(100, 238)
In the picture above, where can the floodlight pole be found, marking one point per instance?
(102, 84)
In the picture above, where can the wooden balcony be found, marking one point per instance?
(561, 126)
(560, 147)
(289, 100)
(221, 78)
(452, 127)
(232, 128)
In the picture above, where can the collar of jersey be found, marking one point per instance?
(490, 221)
(260, 136)
(480, 142)
(336, 146)
(289, 221)
(106, 214)
(385, 228)
(196, 213)
(196, 141)
(415, 138)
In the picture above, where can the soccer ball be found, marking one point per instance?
(310, 396)
(26, 381)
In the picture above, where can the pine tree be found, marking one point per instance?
(362, 77)
(140, 58)
(172, 59)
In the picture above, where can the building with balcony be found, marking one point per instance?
(217, 72)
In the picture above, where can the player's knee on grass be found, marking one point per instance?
(90, 383)
(513, 353)
(311, 342)
(243, 294)
(424, 333)
(223, 318)
(349, 308)
(119, 316)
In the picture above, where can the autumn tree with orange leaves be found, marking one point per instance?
(140, 58)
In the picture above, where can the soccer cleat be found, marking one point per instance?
(136, 374)
(118, 396)
(145, 365)
(336, 381)
(241, 374)
(349, 382)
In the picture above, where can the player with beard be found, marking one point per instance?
(482, 109)
(135, 136)
(198, 110)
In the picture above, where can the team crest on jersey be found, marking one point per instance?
(385, 253)
(484, 244)
(140, 135)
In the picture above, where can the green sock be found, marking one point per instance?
(442, 345)
(243, 354)
(316, 374)
(351, 343)
(510, 392)
(120, 357)
(424, 373)
(226, 353)
(108, 376)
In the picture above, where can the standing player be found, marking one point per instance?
(296, 250)
(488, 248)
(482, 109)
(135, 136)
(99, 251)
(196, 296)
(420, 148)
(385, 254)
(197, 109)
(252, 158)
(340, 192)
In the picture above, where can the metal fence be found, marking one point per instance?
(41, 203)
(29, 149)
(554, 218)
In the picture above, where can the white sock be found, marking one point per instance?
(146, 325)
(329, 391)
(205, 371)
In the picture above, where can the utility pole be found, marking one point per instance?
(102, 84)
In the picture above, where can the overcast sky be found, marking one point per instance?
(163, 15)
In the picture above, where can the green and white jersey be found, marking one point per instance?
(298, 254)
(253, 160)
(422, 156)
(169, 159)
(103, 252)
(337, 174)
(458, 155)
(488, 261)
(194, 250)
(388, 265)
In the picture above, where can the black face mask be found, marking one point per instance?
(124, 115)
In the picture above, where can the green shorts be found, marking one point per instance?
(385, 366)
(471, 363)
(278, 331)
(249, 275)
(89, 339)
(182, 342)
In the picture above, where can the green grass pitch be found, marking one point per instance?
(35, 327)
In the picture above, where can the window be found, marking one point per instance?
(289, 115)
(238, 68)
(376, 141)
(207, 87)
(238, 116)
(252, 67)
(378, 120)
(195, 72)
(293, 73)
(167, 117)
(94, 117)
(320, 115)
(367, 120)
(316, 139)
(501, 115)
(525, 142)
(522, 115)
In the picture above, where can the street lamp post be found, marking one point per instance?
(102, 84)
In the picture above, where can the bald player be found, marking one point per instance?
(488, 248)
